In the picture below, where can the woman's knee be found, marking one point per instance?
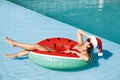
(40, 47)
(37, 46)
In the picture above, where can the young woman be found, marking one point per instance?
(82, 49)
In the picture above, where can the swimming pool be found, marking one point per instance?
(100, 17)
(28, 26)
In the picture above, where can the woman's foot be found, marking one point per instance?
(10, 41)
(10, 55)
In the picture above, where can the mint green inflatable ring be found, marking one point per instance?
(57, 60)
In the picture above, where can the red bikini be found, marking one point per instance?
(71, 48)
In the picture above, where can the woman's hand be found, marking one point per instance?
(69, 51)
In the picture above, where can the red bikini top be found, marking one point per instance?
(71, 48)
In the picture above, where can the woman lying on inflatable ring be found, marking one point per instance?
(82, 49)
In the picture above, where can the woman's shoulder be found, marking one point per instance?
(79, 45)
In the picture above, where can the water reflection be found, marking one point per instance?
(101, 5)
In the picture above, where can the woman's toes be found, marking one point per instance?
(10, 41)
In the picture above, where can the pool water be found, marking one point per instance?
(100, 17)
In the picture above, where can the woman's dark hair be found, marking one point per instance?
(89, 50)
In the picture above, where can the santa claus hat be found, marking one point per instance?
(97, 42)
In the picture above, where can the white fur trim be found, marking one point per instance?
(100, 54)
(93, 41)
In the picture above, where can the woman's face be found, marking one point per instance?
(88, 43)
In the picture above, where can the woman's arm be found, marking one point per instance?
(83, 56)
(81, 33)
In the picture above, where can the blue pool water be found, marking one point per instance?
(100, 17)
(30, 27)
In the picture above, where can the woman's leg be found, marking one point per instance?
(29, 46)
(23, 53)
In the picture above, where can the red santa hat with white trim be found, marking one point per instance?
(97, 42)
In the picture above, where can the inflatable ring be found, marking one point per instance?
(57, 60)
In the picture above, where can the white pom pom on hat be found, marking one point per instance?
(97, 42)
